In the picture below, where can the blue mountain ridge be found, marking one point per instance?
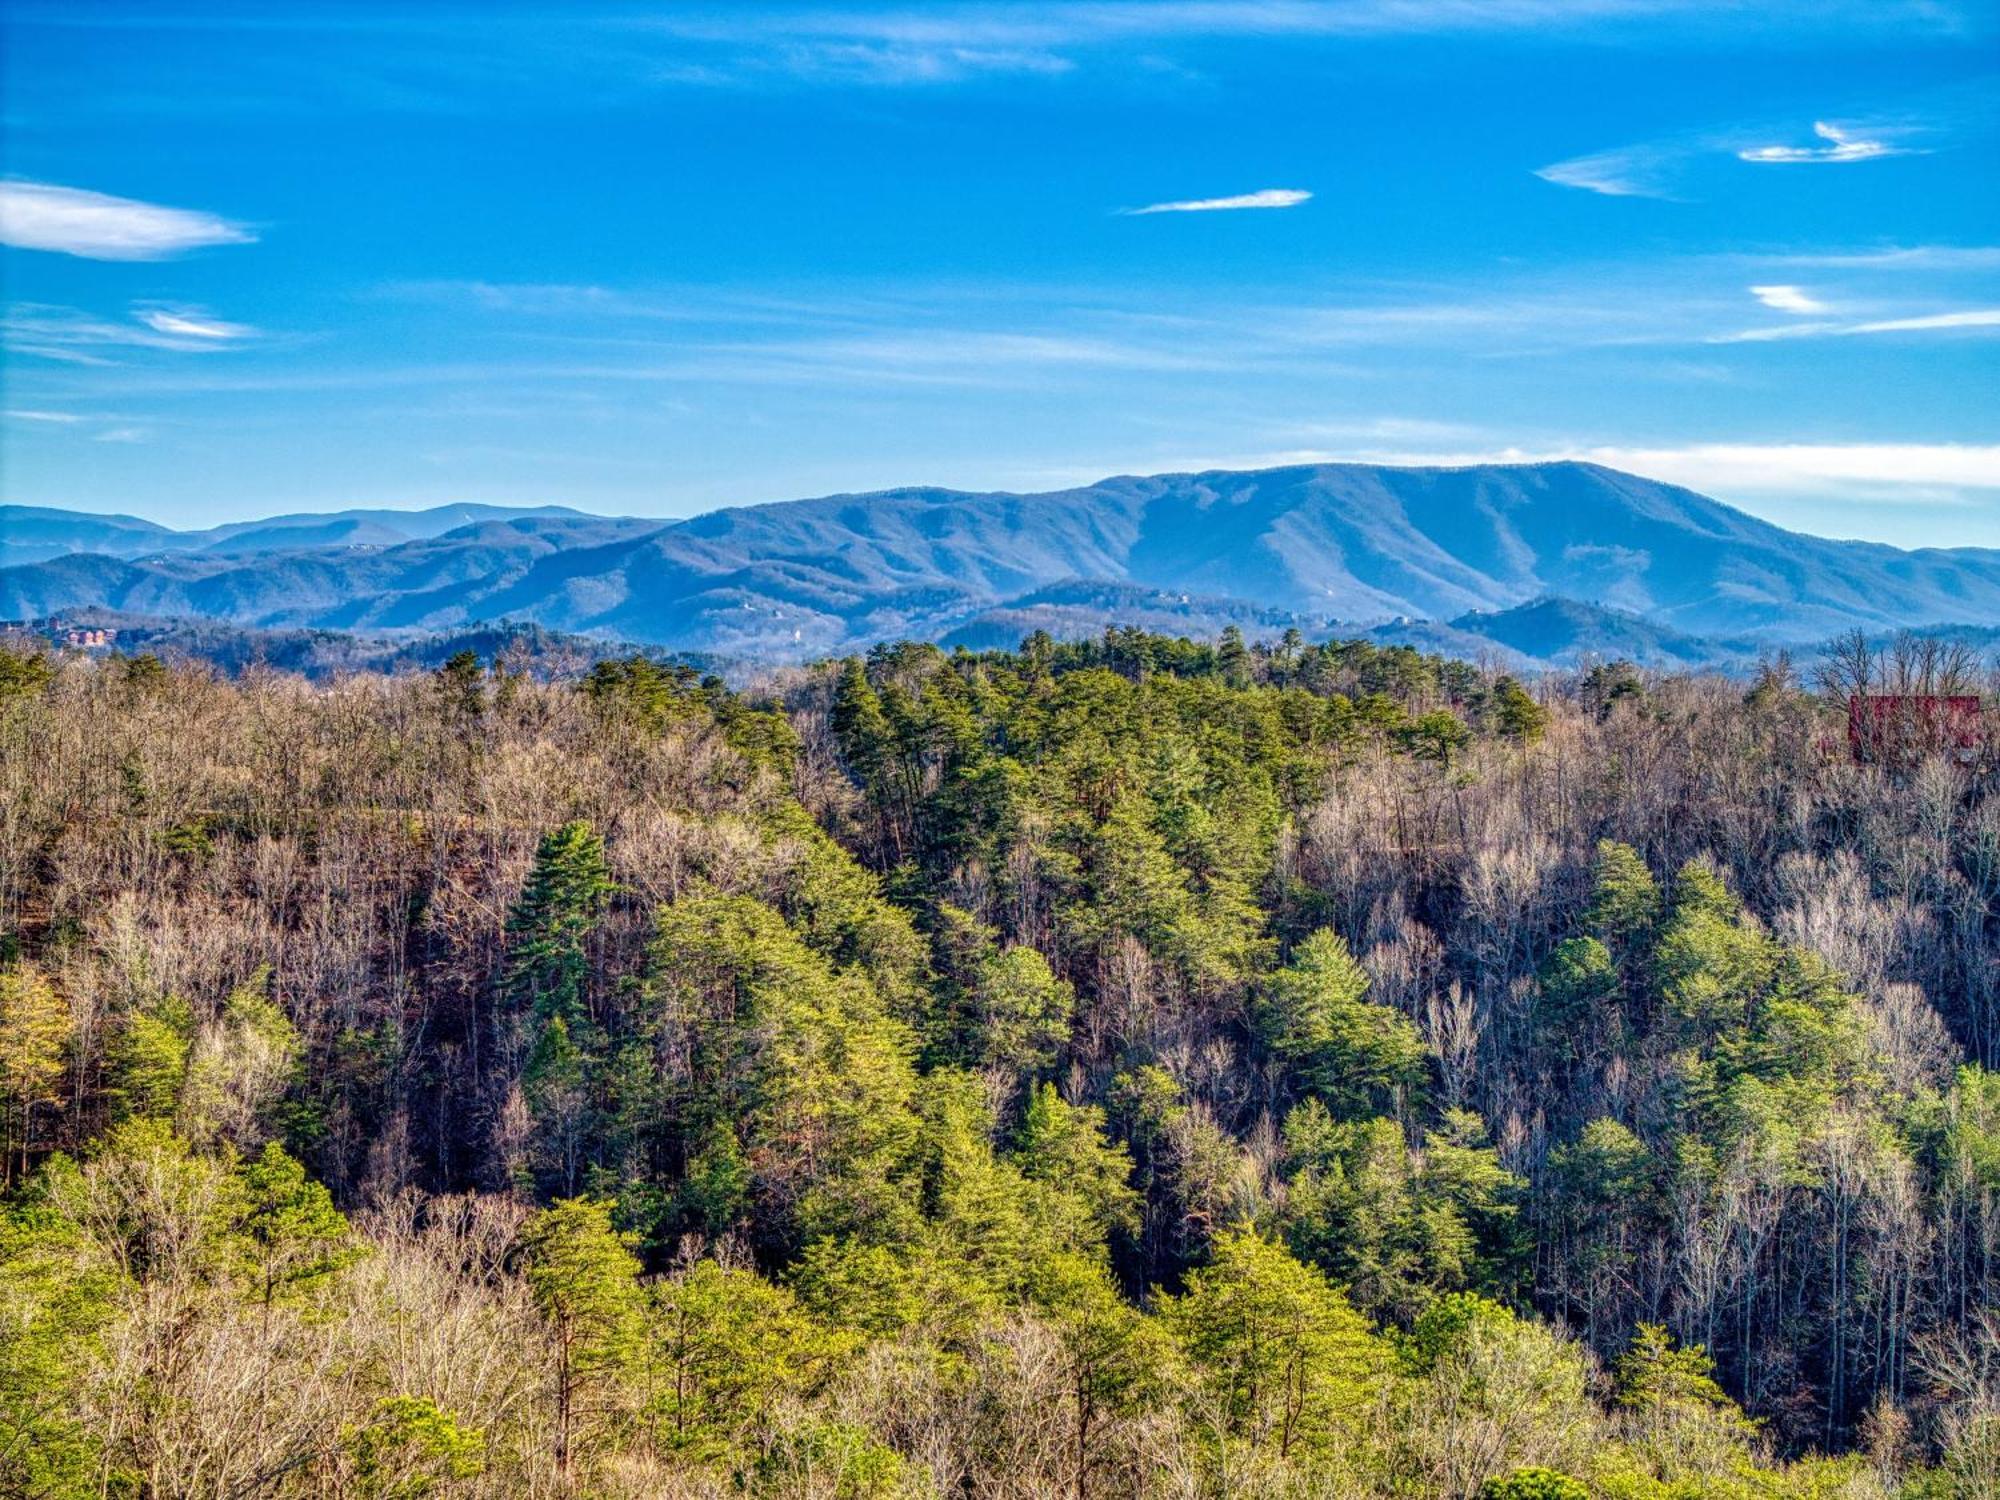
(1540, 561)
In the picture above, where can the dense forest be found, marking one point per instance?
(1130, 1067)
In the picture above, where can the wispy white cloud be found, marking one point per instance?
(1789, 299)
(1774, 333)
(190, 322)
(97, 226)
(75, 337)
(947, 42)
(1001, 24)
(1897, 258)
(1262, 198)
(1656, 169)
(58, 418)
(1975, 317)
(1841, 145)
(1623, 172)
(1916, 472)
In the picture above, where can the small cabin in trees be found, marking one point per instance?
(1900, 729)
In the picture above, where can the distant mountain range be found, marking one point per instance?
(1528, 563)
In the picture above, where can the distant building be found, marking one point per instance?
(1900, 729)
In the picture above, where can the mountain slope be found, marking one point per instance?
(1311, 545)
(31, 533)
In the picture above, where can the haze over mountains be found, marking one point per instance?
(1541, 562)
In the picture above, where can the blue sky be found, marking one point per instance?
(660, 259)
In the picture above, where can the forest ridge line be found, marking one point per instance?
(1631, 565)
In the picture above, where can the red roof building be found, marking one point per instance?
(1900, 729)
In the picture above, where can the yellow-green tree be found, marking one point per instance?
(584, 1279)
(35, 1032)
(1284, 1359)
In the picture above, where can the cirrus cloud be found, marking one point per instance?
(1842, 145)
(98, 226)
(1262, 198)
(1789, 299)
(191, 323)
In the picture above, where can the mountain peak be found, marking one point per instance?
(1319, 546)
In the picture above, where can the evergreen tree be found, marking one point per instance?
(723, 1350)
(584, 1280)
(1625, 900)
(1114, 1357)
(410, 1448)
(295, 1238)
(1517, 715)
(1355, 1056)
(35, 1032)
(1288, 1363)
(548, 928)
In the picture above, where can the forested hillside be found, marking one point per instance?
(1544, 559)
(1108, 1069)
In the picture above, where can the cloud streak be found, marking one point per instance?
(1652, 169)
(1918, 472)
(191, 323)
(1898, 258)
(1262, 198)
(1789, 299)
(1625, 172)
(97, 226)
(1842, 146)
(1978, 317)
(1944, 322)
(71, 336)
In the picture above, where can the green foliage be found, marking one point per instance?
(408, 1448)
(555, 1084)
(1437, 736)
(35, 1032)
(23, 673)
(1395, 1225)
(1681, 1419)
(1969, 1467)
(583, 1276)
(1013, 1121)
(1356, 1057)
(839, 909)
(1625, 899)
(672, 697)
(1114, 1358)
(149, 1060)
(295, 1237)
(584, 1280)
(724, 1349)
(1517, 715)
(831, 1458)
(921, 1289)
(462, 685)
(1653, 1374)
(150, 1208)
(240, 1067)
(549, 925)
(1533, 1483)
(799, 1060)
(1577, 980)
(54, 1307)
(1020, 1012)
(1286, 1360)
